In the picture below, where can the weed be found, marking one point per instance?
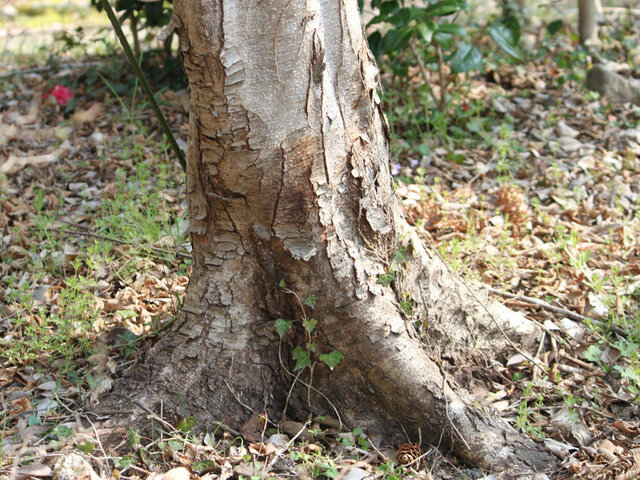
(303, 354)
(59, 333)
(390, 471)
(523, 420)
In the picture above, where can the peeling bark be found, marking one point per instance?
(288, 178)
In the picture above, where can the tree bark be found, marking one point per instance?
(588, 11)
(288, 179)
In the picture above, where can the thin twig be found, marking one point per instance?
(144, 84)
(65, 66)
(418, 460)
(293, 384)
(380, 454)
(443, 78)
(151, 413)
(227, 428)
(541, 304)
(98, 441)
(445, 382)
(237, 398)
(335, 410)
(284, 449)
(186, 256)
(423, 69)
(634, 11)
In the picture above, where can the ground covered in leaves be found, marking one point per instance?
(529, 187)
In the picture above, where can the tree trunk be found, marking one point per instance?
(588, 11)
(288, 179)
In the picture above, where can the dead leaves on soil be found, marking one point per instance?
(565, 219)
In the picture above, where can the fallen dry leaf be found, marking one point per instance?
(626, 427)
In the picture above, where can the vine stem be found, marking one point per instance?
(423, 69)
(443, 79)
(143, 83)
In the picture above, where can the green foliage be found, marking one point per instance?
(386, 278)
(282, 326)
(60, 333)
(153, 13)
(186, 424)
(506, 33)
(302, 358)
(465, 58)
(421, 35)
(86, 447)
(63, 432)
(307, 355)
(123, 463)
(399, 258)
(524, 420)
(331, 359)
(437, 41)
(201, 465)
(555, 26)
(309, 324)
(390, 471)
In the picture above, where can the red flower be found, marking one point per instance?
(465, 107)
(61, 94)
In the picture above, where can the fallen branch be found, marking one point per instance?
(633, 11)
(551, 308)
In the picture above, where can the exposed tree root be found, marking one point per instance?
(388, 382)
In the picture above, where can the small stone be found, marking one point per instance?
(497, 221)
(498, 105)
(10, 11)
(97, 136)
(615, 87)
(356, 474)
(77, 186)
(179, 473)
(569, 144)
(73, 466)
(564, 130)
(280, 440)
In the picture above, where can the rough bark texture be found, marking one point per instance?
(288, 178)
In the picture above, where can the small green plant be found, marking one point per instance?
(390, 471)
(86, 447)
(524, 417)
(395, 267)
(303, 354)
(62, 333)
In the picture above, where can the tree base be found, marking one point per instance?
(387, 382)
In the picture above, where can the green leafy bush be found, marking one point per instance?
(153, 13)
(431, 36)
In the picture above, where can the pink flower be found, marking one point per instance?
(61, 94)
